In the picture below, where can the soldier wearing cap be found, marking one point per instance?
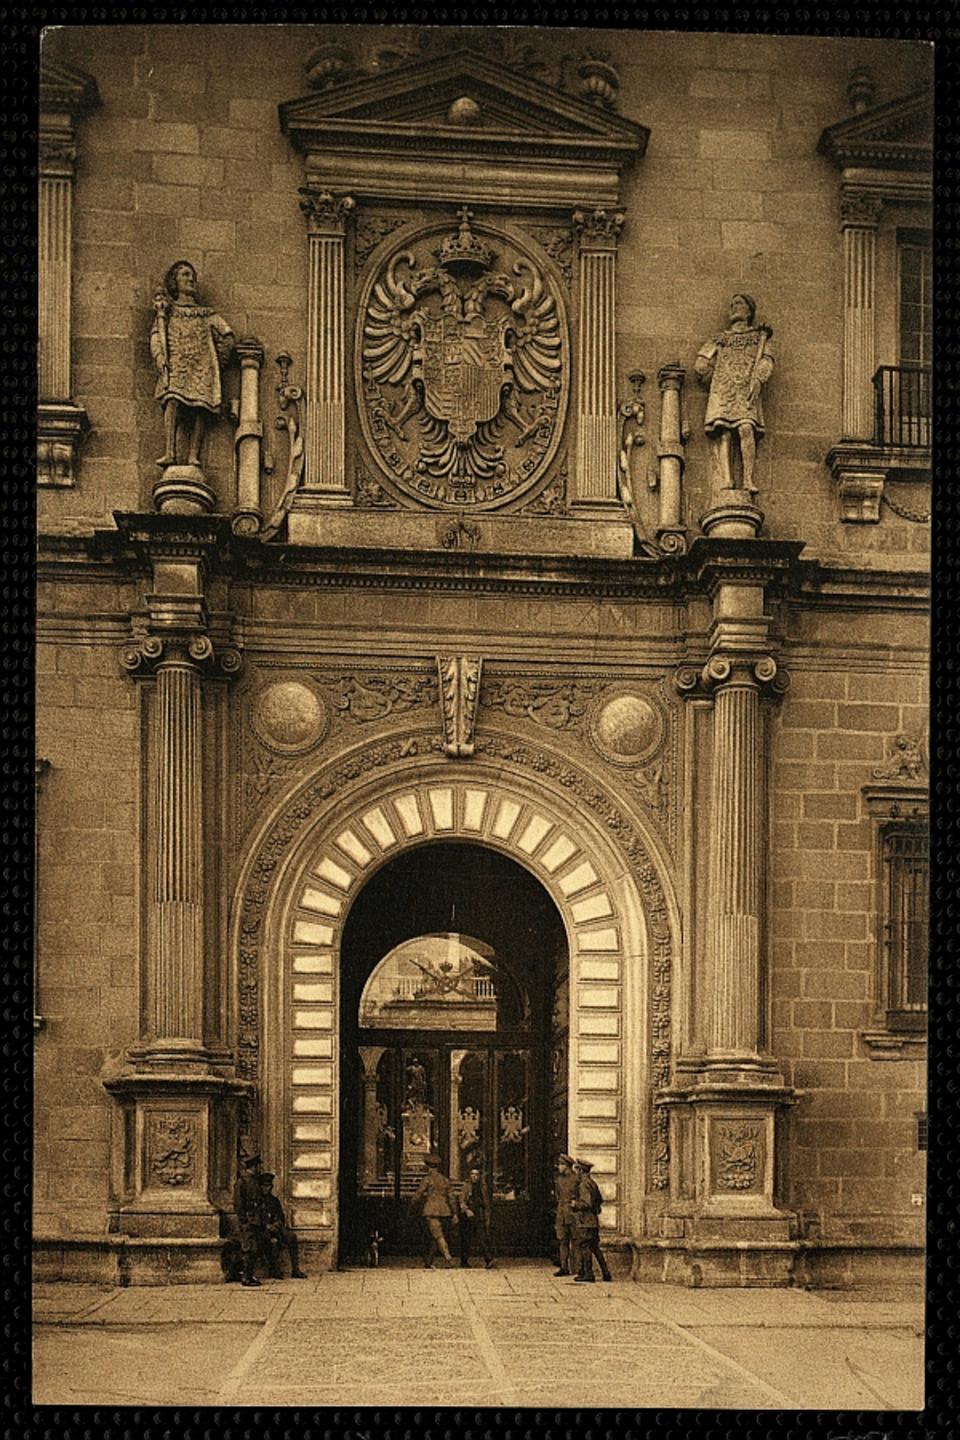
(586, 1206)
(566, 1186)
(436, 1200)
(278, 1236)
(248, 1204)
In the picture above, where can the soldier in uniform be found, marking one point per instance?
(248, 1203)
(278, 1236)
(190, 344)
(566, 1188)
(586, 1206)
(736, 364)
(436, 1200)
(475, 1218)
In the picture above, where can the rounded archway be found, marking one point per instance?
(454, 1016)
(314, 861)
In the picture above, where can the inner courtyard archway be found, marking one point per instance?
(454, 1017)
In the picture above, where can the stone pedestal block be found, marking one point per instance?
(174, 1153)
(732, 517)
(182, 490)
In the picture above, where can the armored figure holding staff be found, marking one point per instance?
(190, 345)
(736, 364)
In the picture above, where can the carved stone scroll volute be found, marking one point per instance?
(459, 698)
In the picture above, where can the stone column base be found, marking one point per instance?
(730, 1264)
(174, 1153)
(183, 490)
(732, 516)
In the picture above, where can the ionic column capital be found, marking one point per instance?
(598, 229)
(326, 213)
(723, 672)
(143, 657)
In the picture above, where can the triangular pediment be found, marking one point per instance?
(64, 87)
(898, 133)
(414, 102)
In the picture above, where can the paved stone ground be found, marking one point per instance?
(510, 1336)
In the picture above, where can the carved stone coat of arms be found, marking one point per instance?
(463, 367)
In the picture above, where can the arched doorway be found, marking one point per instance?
(307, 870)
(454, 1020)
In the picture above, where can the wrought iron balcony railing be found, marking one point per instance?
(902, 396)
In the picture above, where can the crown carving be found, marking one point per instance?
(463, 252)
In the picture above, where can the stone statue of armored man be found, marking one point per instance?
(190, 345)
(736, 364)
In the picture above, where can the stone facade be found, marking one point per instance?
(343, 636)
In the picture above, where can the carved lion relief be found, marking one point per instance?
(462, 366)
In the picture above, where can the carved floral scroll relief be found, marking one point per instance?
(462, 364)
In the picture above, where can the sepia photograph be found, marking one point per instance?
(482, 754)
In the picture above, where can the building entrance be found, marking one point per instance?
(454, 1004)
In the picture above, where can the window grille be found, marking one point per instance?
(907, 865)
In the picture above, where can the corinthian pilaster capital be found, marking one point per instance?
(142, 657)
(598, 229)
(859, 210)
(326, 213)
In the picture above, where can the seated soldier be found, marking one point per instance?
(276, 1233)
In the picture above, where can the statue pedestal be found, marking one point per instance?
(732, 515)
(175, 1154)
(722, 1226)
(182, 490)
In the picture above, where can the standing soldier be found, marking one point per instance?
(736, 364)
(190, 344)
(587, 1204)
(278, 1234)
(248, 1203)
(566, 1188)
(436, 1200)
(475, 1218)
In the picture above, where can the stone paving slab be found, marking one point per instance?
(836, 1369)
(135, 1367)
(514, 1336)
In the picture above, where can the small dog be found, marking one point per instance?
(373, 1249)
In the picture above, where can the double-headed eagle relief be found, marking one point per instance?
(463, 368)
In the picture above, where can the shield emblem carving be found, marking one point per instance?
(464, 371)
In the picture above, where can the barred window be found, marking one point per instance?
(906, 860)
(916, 298)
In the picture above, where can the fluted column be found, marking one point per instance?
(597, 438)
(325, 471)
(734, 926)
(859, 216)
(172, 1017)
(176, 992)
(66, 94)
(55, 242)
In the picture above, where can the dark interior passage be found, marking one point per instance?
(454, 1023)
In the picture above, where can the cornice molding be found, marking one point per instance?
(126, 551)
(898, 133)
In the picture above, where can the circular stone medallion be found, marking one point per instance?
(289, 716)
(627, 728)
